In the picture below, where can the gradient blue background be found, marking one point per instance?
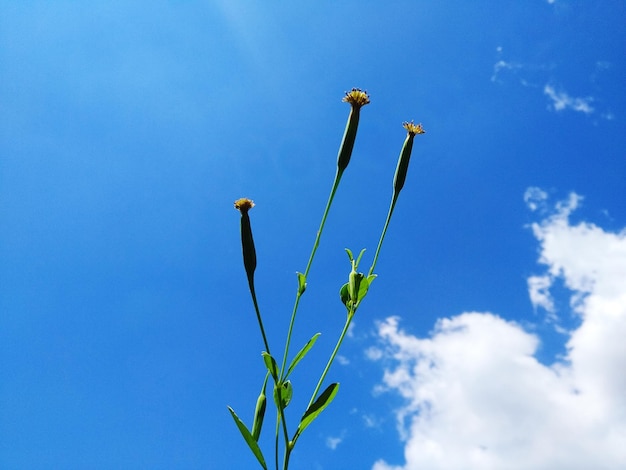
(127, 130)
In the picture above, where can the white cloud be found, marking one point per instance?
(373, 353)
(333, 442)
(534, 75)
(535, 198)
(351, 328)
(561, 101)
(475, 396)
(371, 421)
(343, 360)
(539, 292)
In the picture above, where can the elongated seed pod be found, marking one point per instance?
(405, 155)
(247, 242)
(247, 245)
(347, 143)
(259, 414)
(357, 100)
(403, 163)
(398, 180)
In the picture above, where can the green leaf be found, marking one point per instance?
(254, 447)
(271, 365)
(282, 394)
(344, 293)
(301, 283)
(364, 286)
(302, 353)
(358, 260)
(317, 407)
(349, 254)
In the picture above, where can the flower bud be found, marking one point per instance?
(259, 414)
(354, 283)
(405, 155)
(357, 100)
(247, 242)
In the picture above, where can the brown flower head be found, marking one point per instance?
(243, 205)
(356, 97)
(413, 128)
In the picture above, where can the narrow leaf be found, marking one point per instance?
(349, 254)
(302, 353)
(271, 365)
(254, 447)
(317, 407)
(358, 260)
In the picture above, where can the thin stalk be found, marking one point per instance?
(332, 356)
(357, 99)
(258, 314)
(308, 267)
(286, 462)
(399, 178)
(338, 176)
(285, 433)
(288, 450)
(249, 258)
(277, 441)
(382, 235)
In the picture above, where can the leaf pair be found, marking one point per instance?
(355, 290)
(283, 390)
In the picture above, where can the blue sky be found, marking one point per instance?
(493, 337)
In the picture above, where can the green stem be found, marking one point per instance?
(326, 211)
(285, 433)
(277, 441)
(332, 356)
(398, 179)
(288, 450)
(339, 173)
(382, 235)
(281, 419)
(308, 267)
(258, 313)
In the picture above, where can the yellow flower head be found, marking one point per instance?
(244, 205)
(413, 128)
(356, 97)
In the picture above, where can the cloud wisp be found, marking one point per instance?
(537, 76)
(561, 101)
(501, 65)
(476, 397)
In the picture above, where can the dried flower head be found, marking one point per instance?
(356, 97)
(413, 128)
(244, 205)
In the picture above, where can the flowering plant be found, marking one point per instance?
(351, 294)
